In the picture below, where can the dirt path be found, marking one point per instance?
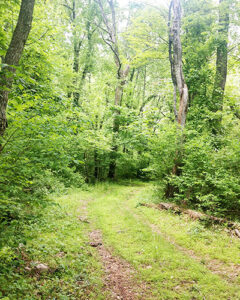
(119, 276)
(108, 214)
(119, 279)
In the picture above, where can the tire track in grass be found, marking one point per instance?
(170, 273)
(119, 279)
(119, 275)
(227, 272)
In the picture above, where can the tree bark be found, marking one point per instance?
(221, 61)
(118, 100)
(112, 42)
(180, 86)
(88, 60)
(96, 166)
(175, 57)
(77, 44)
(76, 51)
(13, 56)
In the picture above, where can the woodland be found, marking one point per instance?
(108, 110)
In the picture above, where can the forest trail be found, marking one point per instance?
(119, 274)
(100, 244)
(147, 254)
(97, 90)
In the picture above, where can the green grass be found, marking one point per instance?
(212, 242)
(172, 274)
(59, 240)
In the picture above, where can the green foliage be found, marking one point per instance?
(208, 176)
(164, 147)
(57, 239)
(53, 144)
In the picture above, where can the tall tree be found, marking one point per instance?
(222, 58)
(112, 41)
(199, 28)
(13, 56)
(179, 84)
(90, 28)
(175, 57)
(81, 17)
(78, 39)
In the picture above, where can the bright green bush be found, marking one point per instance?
(209, 177)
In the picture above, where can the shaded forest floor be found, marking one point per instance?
(100, 244)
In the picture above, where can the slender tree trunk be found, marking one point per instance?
(77, 44)
(88, 61)
(76, 93)
(114, 150)
(76, 52)
(131, 92)
(112, 42)
(13, 56)
(96, 166)
(118, 99)
(144, 83)
(175, 57)
(221, 61)
(180, 86)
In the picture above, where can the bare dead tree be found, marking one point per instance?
(13, 56)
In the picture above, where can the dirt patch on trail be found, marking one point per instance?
(119, 279)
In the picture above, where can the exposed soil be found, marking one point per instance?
(120, 280)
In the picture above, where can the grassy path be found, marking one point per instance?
(99, 244)
(172, 273)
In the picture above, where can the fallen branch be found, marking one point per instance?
(195, 215)
(237, 232)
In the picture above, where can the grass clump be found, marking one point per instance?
(57, 240)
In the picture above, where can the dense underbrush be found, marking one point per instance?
(208, 177)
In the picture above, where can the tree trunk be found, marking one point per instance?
(76, 52)
(180, 86)
(77, 44)
(112, 42)
(175, 57)
(88, 61)
(13, 56)
(221, 61)
(76, 94)
(96, 166)
(118, 99)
